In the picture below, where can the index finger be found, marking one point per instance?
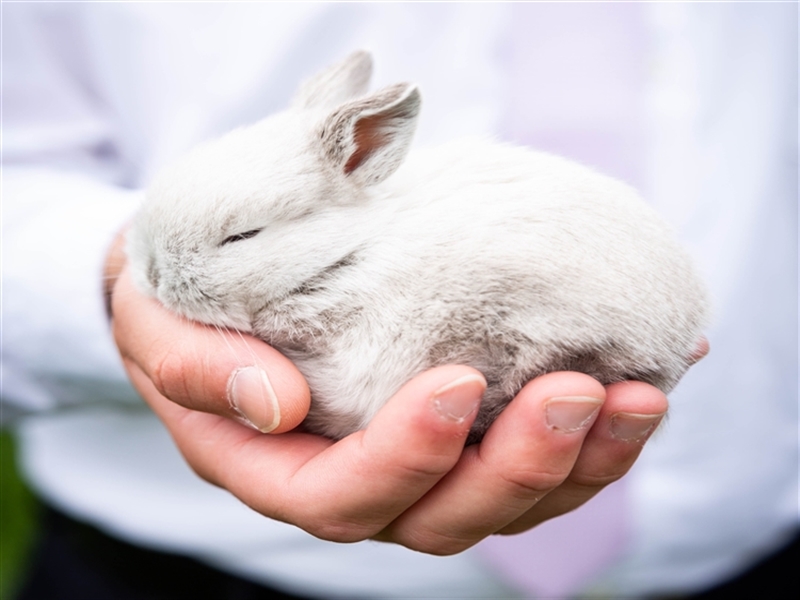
(204, 368)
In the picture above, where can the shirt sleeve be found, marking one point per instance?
(57, 346)
(63, 201)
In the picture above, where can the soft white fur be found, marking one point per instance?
(512, 261)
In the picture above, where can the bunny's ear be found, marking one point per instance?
(336, 84)
(367, 139)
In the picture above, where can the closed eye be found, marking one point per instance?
(240, 236)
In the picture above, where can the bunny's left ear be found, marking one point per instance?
(336, 84)
(367, 139)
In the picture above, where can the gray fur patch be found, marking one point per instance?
(321, 280)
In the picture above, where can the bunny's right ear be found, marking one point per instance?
(368, 138)
(336, 84)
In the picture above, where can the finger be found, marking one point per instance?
(529, 451)
(344, 491)
(632, 411)
(700, 350)
(205, 439)
(207, 369)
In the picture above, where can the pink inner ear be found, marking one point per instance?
(368, 137)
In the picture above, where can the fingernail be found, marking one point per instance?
(571, 413)
(632, 427)
(460, 398)
(251, 395)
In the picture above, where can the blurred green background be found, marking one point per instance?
(19, 516)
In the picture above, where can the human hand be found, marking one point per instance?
(407, 477)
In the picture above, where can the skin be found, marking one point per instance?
(407, 477)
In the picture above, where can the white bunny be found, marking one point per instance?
(303, 230)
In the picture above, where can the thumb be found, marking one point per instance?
(204, 368)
